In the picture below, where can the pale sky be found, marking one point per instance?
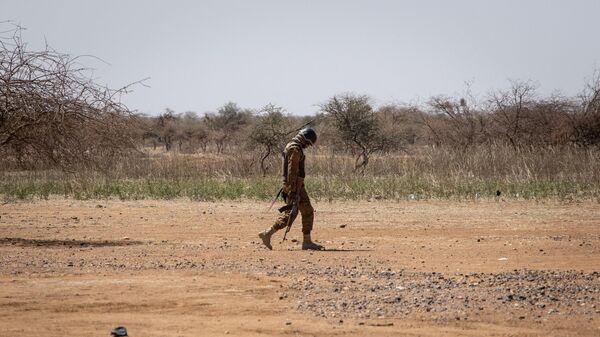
(296, 54)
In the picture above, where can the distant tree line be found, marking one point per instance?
(350, 123)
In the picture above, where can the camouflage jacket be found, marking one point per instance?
(293, 166)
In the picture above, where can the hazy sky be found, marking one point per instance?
(202, 54)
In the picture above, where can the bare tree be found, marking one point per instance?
(548, 121)
(586, 120)
(52, 114)
(511, 108)
(454, 122)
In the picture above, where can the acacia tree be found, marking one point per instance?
(166, 128)
(193, 130)
(269, 132)
(358, 126)
(227, 124)
(53, 114)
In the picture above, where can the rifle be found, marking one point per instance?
(275, 199)
(292, 215)
(301, 127)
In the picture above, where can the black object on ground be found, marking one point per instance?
(119, 331)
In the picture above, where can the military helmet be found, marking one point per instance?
(309, 135)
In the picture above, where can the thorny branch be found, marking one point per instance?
(52, 114)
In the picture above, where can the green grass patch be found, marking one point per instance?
(319, 188)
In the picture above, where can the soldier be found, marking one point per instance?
(293, 186)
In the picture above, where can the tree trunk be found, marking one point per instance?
(262, 162)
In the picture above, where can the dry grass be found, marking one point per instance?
(557, 172)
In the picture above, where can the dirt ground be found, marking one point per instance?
(408, 268)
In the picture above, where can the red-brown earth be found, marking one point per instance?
(408, 268)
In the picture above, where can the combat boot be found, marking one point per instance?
(266, 236)
(308, 244)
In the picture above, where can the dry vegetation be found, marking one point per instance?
(60, 133)
(53, 115)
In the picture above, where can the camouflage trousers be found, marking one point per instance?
(305, 209)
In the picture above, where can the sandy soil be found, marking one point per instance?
(410, 268)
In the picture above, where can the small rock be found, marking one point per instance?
(343, 226)
(119, 331)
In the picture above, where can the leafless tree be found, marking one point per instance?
(548, 121)
(53, 114)
(586, 120)
(455, 122)
(511, 108)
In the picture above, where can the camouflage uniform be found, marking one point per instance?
(293, 185)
